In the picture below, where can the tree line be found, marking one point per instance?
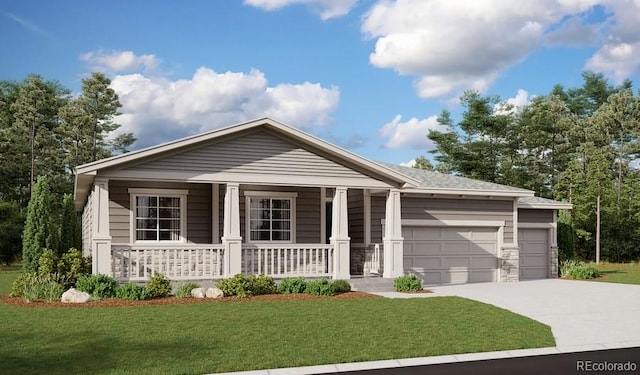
(578, 145)
(46, 132)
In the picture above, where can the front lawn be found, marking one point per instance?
(244, 335)
(624, 273)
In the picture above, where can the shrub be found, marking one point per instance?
(242, 286)
(39, 229)
(184, 290)
(99, 286)
(341, 286)
(48, 262)
(158, 286)
(131, 291)
(73, 265)
(34, 287)
(292, 285)
(261, 284)
(237, 285)
(320, 287)
(407, 283)
(575, 269)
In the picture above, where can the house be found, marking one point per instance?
(263, 197)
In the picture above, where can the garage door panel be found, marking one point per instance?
(451, 255)
(534, 253)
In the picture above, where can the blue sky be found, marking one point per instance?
(367, 75)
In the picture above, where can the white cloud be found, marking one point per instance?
(157, 109)
(515, 104)
(120, 61)
(326, 8)
(410, 134)
(573, 32)
(409, 163)
(453, 45)
(618, 60)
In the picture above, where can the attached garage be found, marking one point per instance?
(451, 255)
(534, 253)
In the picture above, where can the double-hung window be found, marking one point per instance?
(158, 214)
(270, 216)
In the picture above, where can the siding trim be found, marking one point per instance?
(535, 225)
(215, 213)
(323, 214)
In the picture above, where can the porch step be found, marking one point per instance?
(372, 284)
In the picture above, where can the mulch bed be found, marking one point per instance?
(114, 302)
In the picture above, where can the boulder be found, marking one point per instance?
(214, 293)
(75, 296)
(198, 293)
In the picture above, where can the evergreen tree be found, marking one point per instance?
(11, 226)
(69, 234)
(40, 231)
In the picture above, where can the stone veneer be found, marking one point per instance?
(553, 262)
(510, 264)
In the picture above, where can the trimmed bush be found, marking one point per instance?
(576, 269)
(48, 262)
(99, 286)
(341, 286)
(184, 290)
(131, 291)
(407, 283)
(236, 286)
(292, 285)
(73, 265)
(19, 284)
(242, 286)
(320, 287)
(158, 286)
(262, 284)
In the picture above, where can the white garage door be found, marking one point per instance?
(451, 255)
(534, 253)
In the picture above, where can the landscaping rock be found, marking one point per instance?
(198, 293)
(75, 296)
(214, 293)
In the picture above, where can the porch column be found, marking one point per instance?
(231, 235)
(101, 238)
(340, 235)
(393, 242)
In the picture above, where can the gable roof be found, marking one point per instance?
(86, 173)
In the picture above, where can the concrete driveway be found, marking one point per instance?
(580, 313)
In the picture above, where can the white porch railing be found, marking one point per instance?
(373, 260)
(284, 260)
(137, 262)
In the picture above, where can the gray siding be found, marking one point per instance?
(258, 153)
(307, 211)
(198, 209)
(355, 205)
(378, 208)
(460, 209)
(535, 216)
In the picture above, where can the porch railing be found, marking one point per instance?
(137, 262)
(284, 260)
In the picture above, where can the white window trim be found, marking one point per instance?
(248, 194)
(176, 193)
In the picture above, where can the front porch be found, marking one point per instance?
(348, 219)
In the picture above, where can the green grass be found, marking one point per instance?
(244, 335)
(624, 273)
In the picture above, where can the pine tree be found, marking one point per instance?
(70, 236)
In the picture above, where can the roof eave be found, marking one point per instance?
(547, 206)
(471, 192)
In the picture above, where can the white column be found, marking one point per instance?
(367, 217)
(393, 241)
(340, 235)
(101, 238)
(231, 234)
